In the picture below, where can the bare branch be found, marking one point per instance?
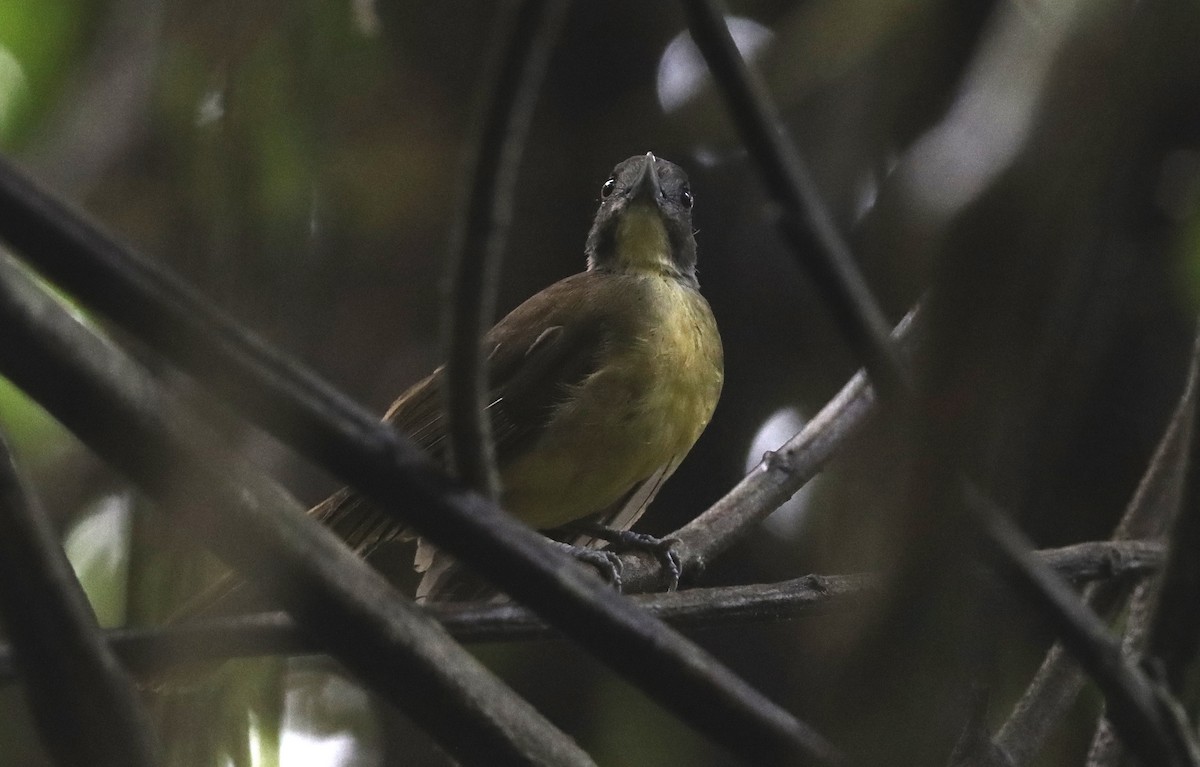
(779, 476)
(83, 701)
(1133, 700)
(151, 650)
(1161, 617)
(1174, 633)
(1154, 503)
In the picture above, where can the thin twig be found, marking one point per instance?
(1144, 615)
(83, 701)
(309, 415)
(779, 476)
(125, 416)
(1133, 700)
(151, 650)
(805, 220)
(1161, 620)
(1106, 749)
(1174, 635)
(1155, 502)
(479, 243)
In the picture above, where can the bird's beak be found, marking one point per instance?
(646, 189)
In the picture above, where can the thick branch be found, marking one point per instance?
(355, 615)
(84, 703)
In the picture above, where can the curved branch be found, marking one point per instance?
(479, 242)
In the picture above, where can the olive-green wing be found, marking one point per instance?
(534, 358)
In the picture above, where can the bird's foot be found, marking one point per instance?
(662, 549)
(606, 562)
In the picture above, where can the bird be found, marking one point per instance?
(598, 385)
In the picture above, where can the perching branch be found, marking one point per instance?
(479, 241)
(779, 476)
(306, 413)
(83, 701)
(151, 650)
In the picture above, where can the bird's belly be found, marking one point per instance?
(645, 407)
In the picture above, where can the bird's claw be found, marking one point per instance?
(605, 562)
(663, 549)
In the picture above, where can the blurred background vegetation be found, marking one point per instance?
(301, 163)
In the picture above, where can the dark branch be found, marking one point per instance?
(119, 411)
(151, 650)
(1161, 617)
(479, 242)
(1174, 635)
(806, 222)
(83, 701)
(1133, 701)
(306, 413)
(1154, 503)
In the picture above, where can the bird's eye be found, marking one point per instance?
(608, 187)
(685, 197)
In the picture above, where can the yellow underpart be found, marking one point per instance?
(642, 241)
(644, 407)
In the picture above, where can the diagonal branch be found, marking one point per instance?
(1059, 679)
(1161, 621)
(119, 411)
(806, 221)
(779, 476)
(83, 702)
(1135, 704)
(1174, 633)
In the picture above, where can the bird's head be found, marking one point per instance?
(644, 223)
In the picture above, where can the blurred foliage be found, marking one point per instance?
(39, 42)
(301, 162)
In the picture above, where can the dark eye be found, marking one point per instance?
(685, 196)
(608, 187)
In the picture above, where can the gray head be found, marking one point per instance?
(644, 223)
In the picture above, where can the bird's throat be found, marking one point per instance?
(642, 242)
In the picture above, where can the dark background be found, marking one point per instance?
(302, 164)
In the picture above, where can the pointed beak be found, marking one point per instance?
(646, 189)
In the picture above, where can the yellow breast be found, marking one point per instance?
(653, 392)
